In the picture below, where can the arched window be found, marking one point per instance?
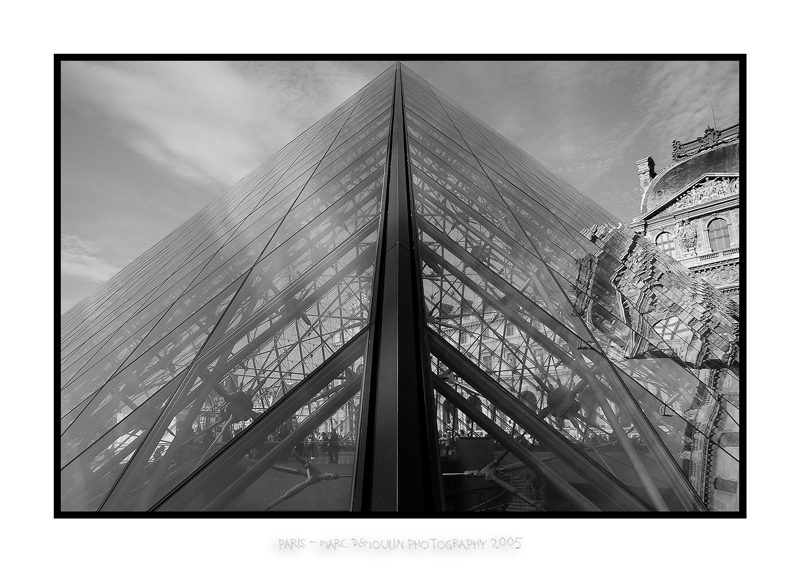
(718, 235)
(666, 243)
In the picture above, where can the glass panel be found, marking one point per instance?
(496, 456)
(481, 258)
(298, 456)
(180, 328)
(159, 257)
(649, 290)
(214, 229)
(125, 389)
(87, 479)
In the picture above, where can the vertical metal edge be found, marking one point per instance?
(435, 485)
(364, 462)
(398, 470)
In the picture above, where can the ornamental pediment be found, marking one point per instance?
(707, 188)
(721, 276)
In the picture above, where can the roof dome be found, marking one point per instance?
(722, 158)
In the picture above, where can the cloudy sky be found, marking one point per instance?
(145, 145)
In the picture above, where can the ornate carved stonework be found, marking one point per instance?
(710, 139)
(721, 276)
(687, 235)
(706, 191)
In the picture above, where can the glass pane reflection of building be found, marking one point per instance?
(565, 363)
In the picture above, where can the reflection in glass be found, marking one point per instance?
(561, 321)
(297, 455)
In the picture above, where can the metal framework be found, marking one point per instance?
(467, 331)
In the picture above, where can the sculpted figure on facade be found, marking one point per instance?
(687, 235)
(711, 136)
(731, 186)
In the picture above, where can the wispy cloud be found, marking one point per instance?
(675, 98)
(208, 121)
(79, 258)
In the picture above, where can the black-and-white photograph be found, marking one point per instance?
(412, 286)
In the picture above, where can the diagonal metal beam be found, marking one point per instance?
(305, 428)
(576, 362)
(606, 484)
(215, 468)
(223, 366)
(554, 479)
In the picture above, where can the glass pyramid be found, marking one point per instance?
(400, 311)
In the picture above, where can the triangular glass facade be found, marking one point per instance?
(400, 311)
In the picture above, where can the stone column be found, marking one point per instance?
(734, 228)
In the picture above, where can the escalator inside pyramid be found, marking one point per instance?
(401, 311)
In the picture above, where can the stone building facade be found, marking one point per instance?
(690, 210)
